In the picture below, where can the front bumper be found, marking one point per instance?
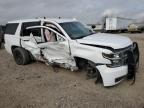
(110, 75)
(133, 61)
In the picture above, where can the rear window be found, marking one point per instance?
(11, 28)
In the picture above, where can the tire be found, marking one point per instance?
(94, 73)
(21, 56)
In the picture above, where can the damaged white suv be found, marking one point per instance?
(70, 44)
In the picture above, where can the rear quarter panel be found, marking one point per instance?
(12, 40)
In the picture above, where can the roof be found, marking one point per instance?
(42, 19)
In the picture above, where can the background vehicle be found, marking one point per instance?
(136, 28)
(117, 24)
(69, 44)
(2, 28)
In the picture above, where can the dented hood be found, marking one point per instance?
(103, 39)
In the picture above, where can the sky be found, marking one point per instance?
(87, 11)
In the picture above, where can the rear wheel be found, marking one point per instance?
(21, 56)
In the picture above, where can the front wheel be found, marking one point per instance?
(93, 73)
(21, 56)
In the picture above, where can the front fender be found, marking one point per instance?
(91, 53)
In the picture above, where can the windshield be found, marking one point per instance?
(76, 30)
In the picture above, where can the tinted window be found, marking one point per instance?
(36, 32)
(25, 32)
(11, 28)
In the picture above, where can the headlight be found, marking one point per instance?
(115, 58)
(112, 56)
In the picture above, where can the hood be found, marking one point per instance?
(103, 39)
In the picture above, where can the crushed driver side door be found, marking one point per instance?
(56, 52)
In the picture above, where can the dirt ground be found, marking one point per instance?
(38, 86)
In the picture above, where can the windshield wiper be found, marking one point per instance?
(80, 37)
(85, 35)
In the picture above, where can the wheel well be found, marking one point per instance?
(79, 59)
(13, 47)
(88, 63)
(83, 59)
(82, 63)
(31, 56)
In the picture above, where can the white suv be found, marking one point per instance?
(70, 44)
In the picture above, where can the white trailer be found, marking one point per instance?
(117, 23)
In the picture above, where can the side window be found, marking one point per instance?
(11, 28)
(52, 26)
(51, 36)
(35, 32)
(25, 32)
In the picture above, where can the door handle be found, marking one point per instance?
(25, 40)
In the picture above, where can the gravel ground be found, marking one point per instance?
(39, 86)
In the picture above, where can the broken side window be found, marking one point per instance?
(36, 33)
